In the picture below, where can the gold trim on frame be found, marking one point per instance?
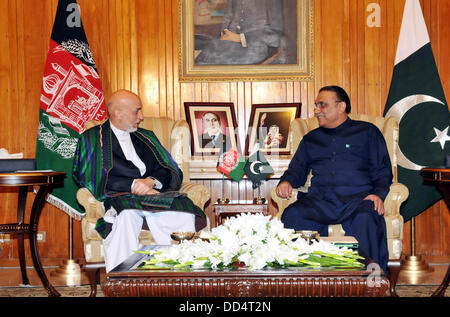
(304, 70)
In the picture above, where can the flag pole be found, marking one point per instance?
(413, 265)
(259, 200)
(223, 200)
(70, 269)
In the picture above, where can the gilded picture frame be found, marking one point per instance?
(200, 42)
(213, 127)
(270, 127)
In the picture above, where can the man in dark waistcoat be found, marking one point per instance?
(352, 174)
(128, 169)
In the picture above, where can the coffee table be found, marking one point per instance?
(125, 280)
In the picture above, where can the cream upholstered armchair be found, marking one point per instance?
(175, 137)
(397, 195)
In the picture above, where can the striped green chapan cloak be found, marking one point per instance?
(93, 161)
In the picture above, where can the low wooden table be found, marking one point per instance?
(233, 208)
(125, 280)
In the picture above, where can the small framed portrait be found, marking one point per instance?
(213, 127)
(270, 128)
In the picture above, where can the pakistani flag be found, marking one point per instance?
(71, 95)
(257, 168)
(416, 99)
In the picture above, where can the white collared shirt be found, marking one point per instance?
(129, 151)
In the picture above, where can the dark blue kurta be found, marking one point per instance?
(348, 163)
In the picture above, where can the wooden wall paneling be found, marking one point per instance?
(134, 76)
(161, 59)
(107, 54)
(332, 55)
(119, 42)
(178, 105)
(112, 46)
(346, 45)
(125, 19)
(353, 85)
(359, 100)
(444, 223)
(384, 36)
(170, 51)
(217, 91)
(148, 27)
(7, 83)
(373, 60)
(8, 88)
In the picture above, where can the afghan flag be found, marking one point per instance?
(71, 95)
(232, 164)
(257, 168)
(416, 99)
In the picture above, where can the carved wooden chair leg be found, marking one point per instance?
(93, 273)
(394, 270)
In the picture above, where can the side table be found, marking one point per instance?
(233, 208)
(46, 181)
(440, 177)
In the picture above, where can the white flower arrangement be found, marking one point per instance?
(255, 241)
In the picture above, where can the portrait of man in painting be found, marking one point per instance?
(245, 32)
(211, 130)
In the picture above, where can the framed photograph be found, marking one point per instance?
(270, 128)
(213, 127)
(245, 40)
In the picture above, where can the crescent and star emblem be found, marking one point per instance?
(399, 109)
(253, 165)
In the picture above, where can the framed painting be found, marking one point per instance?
(269, 127)
(245, 40)
(213, 127)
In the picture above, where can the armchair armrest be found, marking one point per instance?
(281, 202)
(94, 208)
(199, 194)
(398, 193)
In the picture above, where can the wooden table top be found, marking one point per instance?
(31, 178)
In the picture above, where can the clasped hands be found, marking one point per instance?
(144, 186)
(284, 190)
(227, 35)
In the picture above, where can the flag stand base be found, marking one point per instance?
(69, 272)
(415, 265)
(223, 200)
(259, 201)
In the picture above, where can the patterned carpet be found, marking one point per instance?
(84, 291)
